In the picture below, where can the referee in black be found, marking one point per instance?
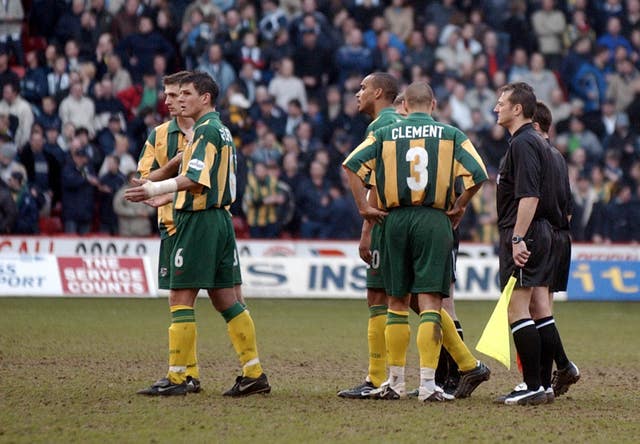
(525, 203)
(541, 307)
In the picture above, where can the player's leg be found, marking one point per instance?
(377, 303)
(396, 272)
(240, 326)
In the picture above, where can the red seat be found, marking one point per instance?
(240, 227)
(50, 225)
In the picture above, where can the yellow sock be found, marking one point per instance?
(243, 337)
(455, 346)
(429, 339)
(397, 333)
(377, 344)
(182, 344)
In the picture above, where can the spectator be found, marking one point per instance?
(28, 204)
(542, 80)
(441, 12)
(314, 200)
(559, 107)
(110, 182)
(251, 53)
(106, 104)
(43, 169)
(495, 53)
(613, 38)
(6, 73)
(589, 83)
(262, 199)
(418, 53)
(78, 109)
(101, 15)
(549, 25)
(221, 71)
(273, 19)
(103, 52)
(519, 66)
(285, 86)
(11, 17)
(623, 84)
(126, 163)
(295, 116)
(69, 24)
(481, 97)
(141, 96)
(400, 19)
(13, 103)
(78, 187)
(581, 137)
(452, 51)
(72, 53)
(578, 28)
(622, 216)
(8, 209)
(58, 80)
(460, 109)
(585, 200)
(8, 162)
(353, 56)
(378, 27)
(106, 137)
(519, 28)
(312, 62)
(125, 21)
(134, 218)
(271, 115)
(119, 76)
(268, 150)
(138, 49)
(34, 83)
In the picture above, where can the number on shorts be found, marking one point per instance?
(232, 174)
(419, 174)
(236, 261)
(178, 260)
(375, 259)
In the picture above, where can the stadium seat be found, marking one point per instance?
(50, 225)
(241, 228)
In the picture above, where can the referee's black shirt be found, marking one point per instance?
(527, 171)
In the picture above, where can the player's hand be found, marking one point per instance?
(520, 254)
(364, 248)
(455, 215)
(373, 214)
(136, 182)
(158, 201)
(137, 193)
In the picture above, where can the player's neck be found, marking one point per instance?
(184, 123)
(379, 106)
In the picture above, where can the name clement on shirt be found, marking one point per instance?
(416, 132)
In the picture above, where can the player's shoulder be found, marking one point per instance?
(163, 127)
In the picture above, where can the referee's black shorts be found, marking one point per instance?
(538, 270)
(561, 252)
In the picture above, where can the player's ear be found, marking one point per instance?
(378, 93)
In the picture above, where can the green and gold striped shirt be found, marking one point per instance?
(210, 160)
(415, 162)
(164, 142)
(386, 116)
(258, 213)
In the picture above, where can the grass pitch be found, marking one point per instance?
(69, 369)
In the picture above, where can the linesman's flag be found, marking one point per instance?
(494, 341)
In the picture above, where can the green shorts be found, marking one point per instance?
(164, 262)
(203, 254)
(237, 274)
(374, 270)
(416, 251)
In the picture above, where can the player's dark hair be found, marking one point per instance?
(203, 83)
(521, 94)
(418, 93)
(387, 83)
(175, 78)
(542, 116)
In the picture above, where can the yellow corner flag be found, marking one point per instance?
(494, 341)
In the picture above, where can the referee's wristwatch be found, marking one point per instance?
(517, 239)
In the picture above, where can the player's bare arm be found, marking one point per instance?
(364, 248)
(360, 196)
(167, 171)
(526, 210)
(459, 207)
(149, 189)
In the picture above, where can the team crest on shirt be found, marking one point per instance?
(196, 164)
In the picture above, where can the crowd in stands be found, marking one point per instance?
(81, 84)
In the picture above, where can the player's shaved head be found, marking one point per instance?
(418, 96)
(387, 83)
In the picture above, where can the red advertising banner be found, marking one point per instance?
(103, 276)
